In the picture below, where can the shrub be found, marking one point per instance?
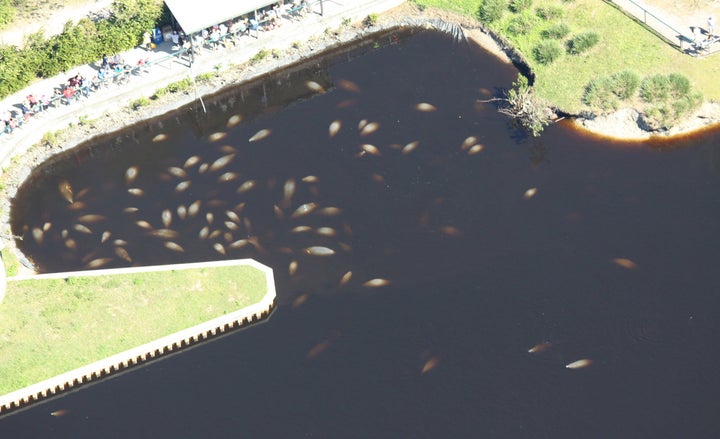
(556, 31)
(371, 20)
(159, 93)
(261, 55)
(672, 98)
(181, 85)
(679, 84)
(520, 5)
(521, 24)
(140, 102)
(582, 42)
(599, 94)
(7, 12)
(547, 51)
(50, 138)
(492, 10)
(625, 84)
(655, 88)
(549, 12)
(207, 76)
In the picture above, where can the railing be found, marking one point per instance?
(113, 77)
(655, 24)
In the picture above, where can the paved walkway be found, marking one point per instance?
(170, 69)
(669, 25)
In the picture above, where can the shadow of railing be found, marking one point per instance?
(663, 30)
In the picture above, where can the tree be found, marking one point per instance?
(526, 109)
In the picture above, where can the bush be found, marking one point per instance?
(178, 86)
(492, 10)
(521, 24)
(599, 94)
(261, 55)
(679, 85)
(672, 98)
(50, 138)
(371, 20)
(140, 102)
(205, 77)
(549, 12)
(625, 84)
(582, 42)
(556, 31)
(7, 12)
(520, 5)
(547, 51)
(655, 88)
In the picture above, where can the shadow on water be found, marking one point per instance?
(419, 251)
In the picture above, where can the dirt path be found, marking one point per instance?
(50, 17)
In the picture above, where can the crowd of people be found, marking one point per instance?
(114, 69)
(266, 19)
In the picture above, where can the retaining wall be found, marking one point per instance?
(146, 352)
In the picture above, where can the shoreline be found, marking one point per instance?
(621, 125)
(166, 344)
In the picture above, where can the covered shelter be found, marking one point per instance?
(194, 16)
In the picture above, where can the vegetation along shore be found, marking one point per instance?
(626, 82)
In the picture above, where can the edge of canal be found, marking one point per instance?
(160, 347)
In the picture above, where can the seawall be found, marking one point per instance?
(148, 351)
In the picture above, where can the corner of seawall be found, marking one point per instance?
(172, 343)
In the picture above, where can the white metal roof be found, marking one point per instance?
(195, 15)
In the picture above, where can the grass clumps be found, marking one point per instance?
(520, 5)
(605, 93)
(670, 98)
(371, 20)
(600, 95)
(663, 99)
(521, 24)
(174, 87)
(7, 12)
(625, 84)
(549, 13)
(261, 55)
(582, 42)
(547, 52)
(492, 10)
(140, 102)
(557, 31)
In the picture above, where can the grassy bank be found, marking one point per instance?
(48, 327)
(624, 45)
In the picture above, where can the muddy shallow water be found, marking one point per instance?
(477, 242)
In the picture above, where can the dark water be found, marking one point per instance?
(477, 273)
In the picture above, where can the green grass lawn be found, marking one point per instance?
(624, 44)
(48, 327)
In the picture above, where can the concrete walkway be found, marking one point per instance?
(676, 33)
(167, 69)
(677, 30)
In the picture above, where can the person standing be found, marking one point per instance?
(711, 26)
(147, 41)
